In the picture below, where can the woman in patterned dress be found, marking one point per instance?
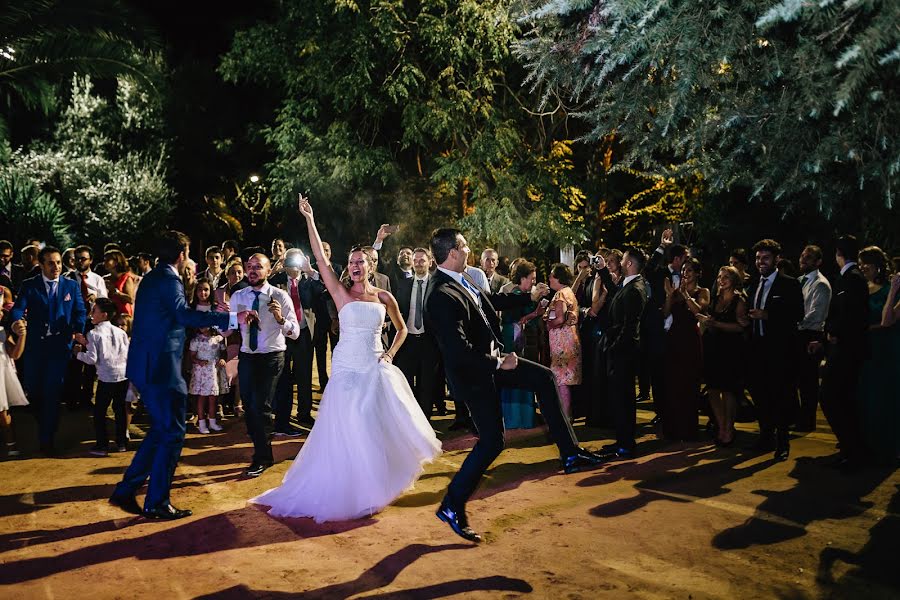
(565, 345)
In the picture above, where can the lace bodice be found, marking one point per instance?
(360, 341)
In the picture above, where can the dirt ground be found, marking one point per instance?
(681, 521)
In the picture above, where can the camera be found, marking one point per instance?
(595, 261)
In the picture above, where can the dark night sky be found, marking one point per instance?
(202, 109)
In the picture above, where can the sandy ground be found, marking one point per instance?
(680, 521)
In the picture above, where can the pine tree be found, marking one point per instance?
(790, 102)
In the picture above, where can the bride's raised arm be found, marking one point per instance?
(338, 292)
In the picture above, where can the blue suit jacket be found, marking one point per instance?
(65, 317)
(158, 332)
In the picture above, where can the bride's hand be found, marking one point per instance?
(304, 207)
(386, 357)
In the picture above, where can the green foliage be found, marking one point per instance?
(109, 189)
(385, 98)
(42, 42)
(26, 211)
(794, 102)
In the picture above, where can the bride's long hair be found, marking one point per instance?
(370, 262)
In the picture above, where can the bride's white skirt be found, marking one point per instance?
(369, 444)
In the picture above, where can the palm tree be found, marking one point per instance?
(42, 42)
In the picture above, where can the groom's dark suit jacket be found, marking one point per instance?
(463, 334)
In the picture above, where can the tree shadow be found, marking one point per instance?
(874, 573)
(820, 493)
(242, 528)
(674, 477)
(383, 573)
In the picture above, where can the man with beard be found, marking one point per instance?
(261, 359)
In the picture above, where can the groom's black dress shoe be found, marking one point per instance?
(126, 503)
(256, 469)
(582, 459)
(458, 523)
(166, 512)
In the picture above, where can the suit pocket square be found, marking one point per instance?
(68, 298)
(776, 297)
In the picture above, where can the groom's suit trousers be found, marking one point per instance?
(484, 405)
(158, 453)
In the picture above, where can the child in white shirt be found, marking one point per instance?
(106, 346)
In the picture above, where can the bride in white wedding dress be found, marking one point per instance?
(371, 439)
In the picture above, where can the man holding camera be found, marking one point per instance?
(301, 282)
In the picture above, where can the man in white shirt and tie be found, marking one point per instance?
(301, 282)
(816, 300)
(419, 357)
(261, 358)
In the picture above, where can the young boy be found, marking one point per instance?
(107, 347)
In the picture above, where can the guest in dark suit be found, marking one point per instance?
(845, 351)
(53, 308)
(11, 274)
(663, 265)
(154, 367)
(463, 317)
(31, 264)
(776, 302)
(326, 323)
(302, 284)
(622, 346)
(403, 269)
(489, 260)
(418, 357)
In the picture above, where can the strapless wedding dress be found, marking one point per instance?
(370, 441)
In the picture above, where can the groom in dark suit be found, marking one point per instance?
(53, 308)
(154, 367)
(463, 318)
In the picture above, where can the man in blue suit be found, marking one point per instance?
(53, 308)
(154, 367)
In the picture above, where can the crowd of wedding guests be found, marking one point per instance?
(750, 340)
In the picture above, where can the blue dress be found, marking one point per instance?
(517, 405)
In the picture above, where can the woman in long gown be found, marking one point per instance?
(879, 400)
(371, 439)
(684, 358)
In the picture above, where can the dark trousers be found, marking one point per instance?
(621, 369)
(600, 414)
(653, 364)
(44, 371)
(79, 385)
(484, 405)
(114, 393)
(297, 371)
(840, 397)
(772, 386)
(808, 381)
(320, 344)
(258, 375)
(419, 360)
(160, 450)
